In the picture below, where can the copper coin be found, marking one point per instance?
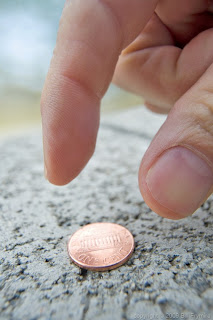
(101, 246)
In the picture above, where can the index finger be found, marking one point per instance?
(91, 36)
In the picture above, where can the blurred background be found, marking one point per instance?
(28, 30)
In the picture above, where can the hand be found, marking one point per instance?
(169, 63)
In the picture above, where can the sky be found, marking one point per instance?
(28, 32)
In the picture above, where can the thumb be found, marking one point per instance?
(176, 173)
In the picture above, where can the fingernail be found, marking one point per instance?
(180, 180)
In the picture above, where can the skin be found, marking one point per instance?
(159, 49)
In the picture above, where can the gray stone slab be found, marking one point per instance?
(170, 274)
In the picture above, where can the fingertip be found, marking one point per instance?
(65, 160)
(70, 121)
(62, 171)
(177, 183)
(154, 205)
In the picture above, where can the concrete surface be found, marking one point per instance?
(170, 273)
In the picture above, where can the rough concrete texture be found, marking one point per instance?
(170, 273)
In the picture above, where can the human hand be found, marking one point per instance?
(176, 173)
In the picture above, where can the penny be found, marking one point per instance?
(101, 246)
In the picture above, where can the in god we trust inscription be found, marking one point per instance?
(101, 246)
